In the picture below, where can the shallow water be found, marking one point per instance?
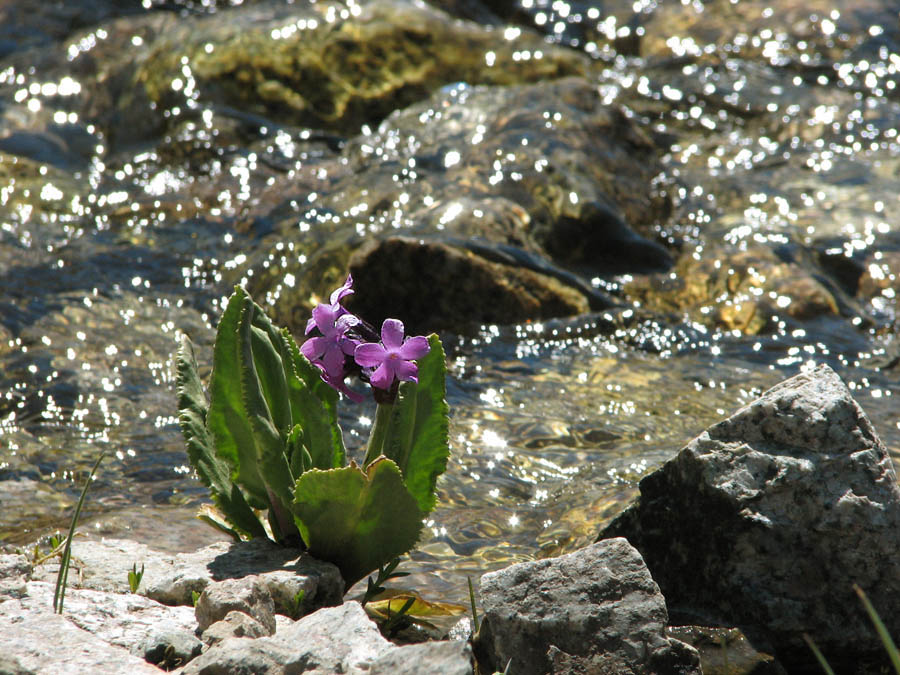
(782, 140)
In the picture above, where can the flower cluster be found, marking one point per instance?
(345, 344)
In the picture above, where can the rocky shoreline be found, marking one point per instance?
(751, 537)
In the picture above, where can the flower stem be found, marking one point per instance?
(379, 432)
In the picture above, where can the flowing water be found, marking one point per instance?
(119, 231)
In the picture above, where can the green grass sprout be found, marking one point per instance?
(472, 603)
(818, 654)
(882, 630)
(62, 576)
(134, 577)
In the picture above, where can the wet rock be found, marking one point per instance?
(169, 649)
(326, 66)
(447, 658)
(235, 624)
(726, 651)
(433, 286)
(880, 279)
(15, 572)
(767, 519)
(247, 594)
(332, 640)
(594, 610)
(507, 174)
(320, 582)
(737, 290)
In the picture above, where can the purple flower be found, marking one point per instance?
(329, 350)
(394, 357)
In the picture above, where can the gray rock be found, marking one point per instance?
(119, 620)
(766, 519)
(15, 571)
(332, 640)
(170, 649)
(103, 565)
(248, 595)
(284, 570)
(595, 610)
(235, 624)
(35, 640)
(446, 658)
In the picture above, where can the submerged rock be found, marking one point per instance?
(767, 520)
(435, 286)
(329, 65)
(534, 190)
(596, 610)
(745, 290)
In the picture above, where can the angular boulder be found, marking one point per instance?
(332, 640)
(284, 571)
(596, 610)
(248, 595)
(767, 519)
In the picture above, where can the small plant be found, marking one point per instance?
(297, 603)
(472, 604)
(134, 577)
(195, 596)
(62, 577)
(268, 445)
(889, 646)
(385, 574)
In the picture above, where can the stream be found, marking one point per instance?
(154, 154)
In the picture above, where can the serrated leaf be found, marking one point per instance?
(265, 404)
(214, 471)
(356, 519)
(228, 419)
(418, 436)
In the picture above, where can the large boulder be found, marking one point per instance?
(596, 610)
(767, 520)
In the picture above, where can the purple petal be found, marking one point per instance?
(346, 321)
(324, 316)
(392, 333)
(343, 291)
(414, 348)
(369, 354)
(333, 360)
(309, 326)
(406, 371)
(383, 377)
(313, 348)
(349, 345)
(344, 389)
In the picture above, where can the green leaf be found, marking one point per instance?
(314, 407)
(214, 471)
(356, 519)
(391, 599)
(264, 399)
(228, 419)
(418, 435)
